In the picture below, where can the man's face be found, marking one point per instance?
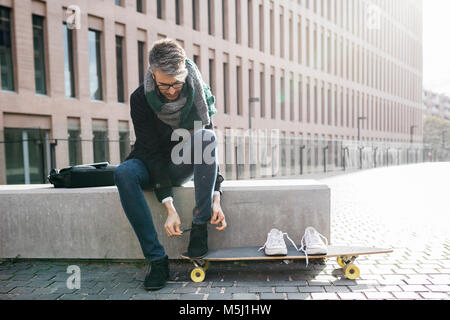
(163, 81)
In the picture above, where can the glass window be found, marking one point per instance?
(69, 71)
(101, 146)
(6, 52)
(26, 160)
(139, 6)
(210, 17)
(95, 65)
(119, 69)
(141, 61)
(74, 142)
(124, 142)
(39, 55)
(178, 12)
(194, 14)
(159, 9)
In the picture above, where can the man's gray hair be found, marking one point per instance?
(168, 57)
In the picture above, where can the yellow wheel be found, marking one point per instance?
(351, 272)
(206, 266)
(340, 261)
(198, 275)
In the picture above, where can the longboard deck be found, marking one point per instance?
(252, 253)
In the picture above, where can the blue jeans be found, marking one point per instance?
(131, 177)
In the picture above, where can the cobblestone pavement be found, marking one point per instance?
(405, 208)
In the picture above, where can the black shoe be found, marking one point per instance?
(198, 241)
(158, 275)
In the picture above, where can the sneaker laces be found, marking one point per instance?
(312, 238)
(272, 238)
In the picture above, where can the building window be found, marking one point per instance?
(283, 98)
(124, 140)
(282, 34)
(27, 158)
(212, 82)
(261, 28)
(272, 33)
(141, 61)
(39, 55)
(100, 141)
(300, 101)
(195, 11)
(273, 97)
(178, 12)
(6, 52)
(262, 93)
(95, 65)
(119, 69)
(225, 19)
(160, 9)
(291, 98)
(238, 20)
(140, 6)
(118, 2)
(211, 16)
(238, 89)
(74, 142)
(69, 67)
(225, 87)
(250, 23)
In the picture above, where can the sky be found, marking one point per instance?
(436, 45)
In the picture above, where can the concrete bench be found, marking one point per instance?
(40, 221)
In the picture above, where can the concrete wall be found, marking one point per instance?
(39, 221)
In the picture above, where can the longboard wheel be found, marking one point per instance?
(351, 272)
(198, 274)
(340, 262)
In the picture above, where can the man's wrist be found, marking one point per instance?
(168, 203)
(216, 196)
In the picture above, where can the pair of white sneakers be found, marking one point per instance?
(311, 243)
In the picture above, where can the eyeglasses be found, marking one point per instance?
(164, 87)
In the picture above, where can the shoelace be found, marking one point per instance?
(308, 239)
(271, 238)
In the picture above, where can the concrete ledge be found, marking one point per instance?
(40, 221)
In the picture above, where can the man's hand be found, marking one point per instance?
(217, 215)
(173, 223)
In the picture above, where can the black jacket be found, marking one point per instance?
(153, 145)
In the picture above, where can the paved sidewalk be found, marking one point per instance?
(405, 208)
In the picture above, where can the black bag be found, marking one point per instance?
(82, 176)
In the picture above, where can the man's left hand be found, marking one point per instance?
(218, 217)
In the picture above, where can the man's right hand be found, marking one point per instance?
(173, 223)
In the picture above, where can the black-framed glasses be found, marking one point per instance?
(164, 87)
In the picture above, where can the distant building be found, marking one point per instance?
(436, 105)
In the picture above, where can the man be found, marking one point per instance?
(173, 98)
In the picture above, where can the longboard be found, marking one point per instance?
(345, 255)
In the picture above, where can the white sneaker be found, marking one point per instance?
(312, 243)
(275, 244)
